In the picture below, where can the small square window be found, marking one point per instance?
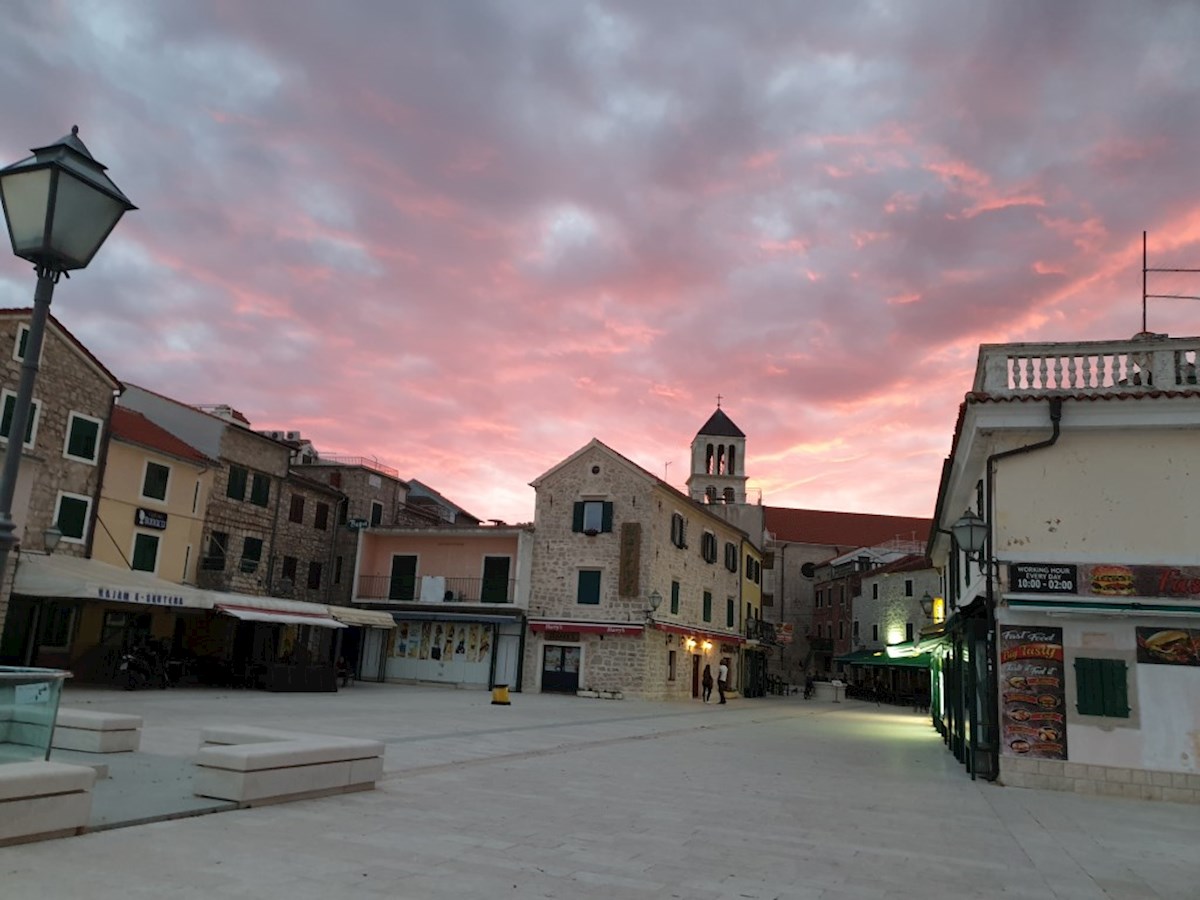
(154, 482)
(592, 516)
(71, 517)
(589, 587)
(145, 552)
(83, 438)
(10, 405)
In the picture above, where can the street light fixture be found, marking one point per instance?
(59, 207)
(655, 599)
(927, 605)
(970, 533)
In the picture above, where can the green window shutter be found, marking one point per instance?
(145, 552)
(707, 606)
(1115, 687)
(675, 596)
(236, 489)
(577, 520)
(729, 612)
(1088, 700)
(589, 587)
(606, 516)
(72, 517)
(81, 442)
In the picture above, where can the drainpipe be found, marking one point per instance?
(993, 700)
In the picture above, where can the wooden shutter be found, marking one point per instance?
(606, 516)
(1114, 688)
(577, 521)
(1088, 699)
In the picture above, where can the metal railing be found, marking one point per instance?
(761, 631)
(367, 462)
(456, 589)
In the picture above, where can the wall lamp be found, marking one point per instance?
(970, 533)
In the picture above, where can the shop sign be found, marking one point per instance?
(1168, 646)
(150, 518)
(149, 598)
(1105, 580)
(1032, 696)
(784, 632)
(1043, 578)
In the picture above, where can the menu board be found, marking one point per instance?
(1032, 700)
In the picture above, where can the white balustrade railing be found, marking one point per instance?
(1150, 364)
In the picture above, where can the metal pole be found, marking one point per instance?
(20, 417)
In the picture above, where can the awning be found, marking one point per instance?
(73, 577)
(881, 658)
(403, 615)
(552, 626)
(1091, 606)
(249, 614)
(689, 631)
(368, 618)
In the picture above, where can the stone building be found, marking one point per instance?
(610, 539)
(61, 470)
(306, 564)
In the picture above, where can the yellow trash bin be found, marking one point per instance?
(500, 695)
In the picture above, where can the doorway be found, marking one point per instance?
(695, 676)
(403, 584)
(495, 580)
(560, 669)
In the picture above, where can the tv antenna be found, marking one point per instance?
(1145, 296)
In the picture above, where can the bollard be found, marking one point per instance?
(500, 695)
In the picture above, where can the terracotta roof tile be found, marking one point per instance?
(134, 428)
(842, 529)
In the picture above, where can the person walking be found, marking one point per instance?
(706, 681)
(722, 679)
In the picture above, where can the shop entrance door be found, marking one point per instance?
(560, 669)
(695, 676)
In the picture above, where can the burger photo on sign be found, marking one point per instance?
(1113, 581)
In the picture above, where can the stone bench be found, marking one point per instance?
(40, 800)
(96, 732)
(255, 766)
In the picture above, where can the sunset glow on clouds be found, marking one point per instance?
(468, 237)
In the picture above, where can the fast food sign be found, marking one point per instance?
(1032, 719)
(1105, 580)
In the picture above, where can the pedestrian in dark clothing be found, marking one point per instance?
(706, 681)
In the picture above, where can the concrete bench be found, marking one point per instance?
(40, 800)
(255, 766)
(96, 732)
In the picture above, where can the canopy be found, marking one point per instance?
(39, 575)
(369, 618)
(558, 625)
(881, 658)
(273, 617)
(691, 631)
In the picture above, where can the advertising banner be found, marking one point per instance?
(1032, 698)
(1168, 646)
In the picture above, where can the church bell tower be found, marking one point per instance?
(718, 462)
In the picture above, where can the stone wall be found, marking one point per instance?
(311, 547)
(1109, 781)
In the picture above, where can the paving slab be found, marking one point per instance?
(571, 798)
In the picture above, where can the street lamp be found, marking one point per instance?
(970, 533)
(927, 605)
(655, 599)
(59, 207)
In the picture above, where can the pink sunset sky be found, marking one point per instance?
(467, 237)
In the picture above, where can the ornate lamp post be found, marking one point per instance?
(59, 207)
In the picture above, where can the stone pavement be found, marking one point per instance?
(571, 798)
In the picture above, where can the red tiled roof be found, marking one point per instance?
(842, 529)
(134, 428)
(912, 563)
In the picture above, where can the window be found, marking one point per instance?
(729, 495)
(145, 552)
(678, 530)
(22, 342)
(854, 630)
(237, 483)
(335, 479)
(296, 511)
(154, 482)
(57, 627)
(337, 570)
(708, 547)
(10, 405)
(675, 596)
(251, 554)
(671, 665)
(1101, 687)
(730, 613)
(321, 517)
(71, 517)
(731, 557)
(214, 560)
(376, 513)
(908, 587)
(908, 631)
(343, 513)
(592, 516)
(589, 587)
(260, 489)
(707, 606)
(874, 592)
(314, 575)
(842, 594)
(841, 630)
(875, 632)
(288, 572)
(820, 598)
(768, 599)
(83, 438)
(196, 497)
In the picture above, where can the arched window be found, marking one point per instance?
(721, 459)
(729, 496)
(708, 460)
(732, 459)
(710, 494)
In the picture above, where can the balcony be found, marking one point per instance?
(820, 645)
(446, 589)
(1139, 365)
(761, 631)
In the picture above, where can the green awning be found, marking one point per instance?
(881, 658)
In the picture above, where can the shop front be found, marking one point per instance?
(455, 648)
(364, 644)
(575, 656)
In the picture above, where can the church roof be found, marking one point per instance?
(720, 425)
